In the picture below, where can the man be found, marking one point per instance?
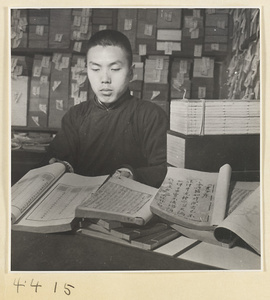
(113, 130)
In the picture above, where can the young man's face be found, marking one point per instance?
(109, 72)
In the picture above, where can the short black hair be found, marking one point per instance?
(109, 37)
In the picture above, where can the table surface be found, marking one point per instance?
(74, 252)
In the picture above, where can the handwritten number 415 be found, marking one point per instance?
(37, 285)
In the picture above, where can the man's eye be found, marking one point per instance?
(116, 69)
(95, 70)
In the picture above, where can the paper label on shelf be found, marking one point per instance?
(86, 12)
(16, 13)
(81, 62)
(128, 24)
(17, 96)
(75, 74)
(201, 92)
(183, 66)
(16, 42)
(189, 22)
(56, 85)
(13, 33)
(142, 49)
(194, 33)
(135, 76)
(168, 16)
(180, 78)
(14, 61)
(221, 24)
(18, 70)
(198, 50)
(58, 37)
(77, 21)
(77, 100)
(37, 71)
(148, 29)
(196, 13)
(83, 96)
(40, 30)
(43, 79)
(155, 94)
(59, 104)
(81, 79)
(215, 47)
(159, 63)
(45, 62)
(205, 66)
(168, 48)
(56, 57)
(102, 27)
(84, 28)
(156, 75)
(36, 120)
(65, 62)
(23, 23)
(43, 108)
(76, 35)
(77, 46)
(74, 90)
(36, 91)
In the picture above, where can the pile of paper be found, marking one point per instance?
(206, 117)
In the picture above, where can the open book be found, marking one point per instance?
(120, 199)
(46, 198)
(207, 207)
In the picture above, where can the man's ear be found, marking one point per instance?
(131, 72)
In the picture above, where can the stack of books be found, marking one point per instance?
(180, 78)
(39, 91)
(102, 19)
(216, 30)
(127, 23)
(156, 86)
(136, 83)
(20, 71)
(19, 28)
(81, 29)
(203, 78)
(58, 102)
(79, 84)
(148, 237)
(39, 28)
(208, 117)
(59, 32)
(146, 30)
(193, 32)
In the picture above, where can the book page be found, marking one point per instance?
(189, 197)
(244, 221)
(119, 197)
(58, 205)
(31, 186)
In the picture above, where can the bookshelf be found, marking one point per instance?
(194, 33)
(200, 46)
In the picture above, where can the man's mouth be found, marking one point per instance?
(106, 92)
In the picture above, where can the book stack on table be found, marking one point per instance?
(148, 237)
(207, 117)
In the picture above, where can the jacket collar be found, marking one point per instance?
(126, 96)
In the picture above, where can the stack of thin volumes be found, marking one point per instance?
(215, 117)
(146, 237)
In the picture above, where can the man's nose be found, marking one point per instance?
(105, 77)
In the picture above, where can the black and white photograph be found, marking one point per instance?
(135, 139)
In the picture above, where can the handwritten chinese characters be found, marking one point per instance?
(188, 199)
